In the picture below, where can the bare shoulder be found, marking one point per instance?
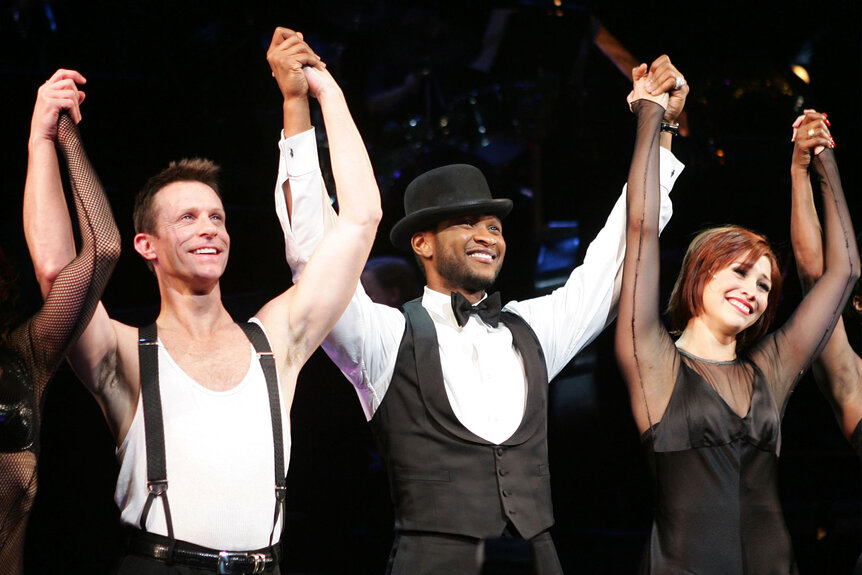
(288, 347)
(113, 378)
(285, 337)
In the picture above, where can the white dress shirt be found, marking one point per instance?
(483, 373)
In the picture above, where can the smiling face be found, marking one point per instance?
(462, 254)
(190, 242)
(737, 295)
(713, 256)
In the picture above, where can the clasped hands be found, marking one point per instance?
(662, 83)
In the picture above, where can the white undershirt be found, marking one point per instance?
(219, 461)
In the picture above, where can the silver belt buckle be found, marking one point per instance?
(226, 560)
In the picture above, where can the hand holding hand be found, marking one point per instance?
(810, 135)
(287, 55)
(639, 91)
(320, 81)
(59, 93)
(664, 77)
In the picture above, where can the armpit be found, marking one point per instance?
(108, 373)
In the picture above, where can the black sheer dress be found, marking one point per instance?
(712, 428)
(34, 350)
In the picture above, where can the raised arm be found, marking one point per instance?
(790, 350)
(643, 347)
(47, 225)
(287, 55)
(838, 373)
(300, 184)
(588, 302)
(839, 370)
(73, 292)
(62, 273)
(810, 131)
(364, 342)
(301, 317)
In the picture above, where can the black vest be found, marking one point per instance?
(444, 478)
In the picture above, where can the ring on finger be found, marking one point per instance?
(810, 132)
(678, 83)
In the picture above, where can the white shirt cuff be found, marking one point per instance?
(299, 153)
(669, 167)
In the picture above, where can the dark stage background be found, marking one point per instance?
(548, 123)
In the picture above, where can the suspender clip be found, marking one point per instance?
(158, 488)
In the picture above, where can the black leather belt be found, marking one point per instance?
(227, 562)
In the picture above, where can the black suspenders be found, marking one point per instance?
(157, 479)
(154, 429)
(267, 362)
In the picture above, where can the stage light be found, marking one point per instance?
(801, 73)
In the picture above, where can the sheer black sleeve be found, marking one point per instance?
(645, 352)
(785, 354)
(43, 340)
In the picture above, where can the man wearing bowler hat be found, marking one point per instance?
(454, 389)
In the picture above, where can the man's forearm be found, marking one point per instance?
(305, 224)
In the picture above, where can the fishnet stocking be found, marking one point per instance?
(43, 340)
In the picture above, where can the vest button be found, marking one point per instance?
(500, 452)
(505, 493)
(502, 472)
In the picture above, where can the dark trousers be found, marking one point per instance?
(419, 553)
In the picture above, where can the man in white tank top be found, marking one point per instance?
(215, 408)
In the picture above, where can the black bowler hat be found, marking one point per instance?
(443, 193)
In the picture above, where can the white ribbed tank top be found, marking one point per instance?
(219, 459)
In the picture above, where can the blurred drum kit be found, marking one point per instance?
(493, 122)
(501, 101)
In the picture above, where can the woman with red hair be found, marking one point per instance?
(709, 404)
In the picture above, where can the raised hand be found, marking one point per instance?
(640, 79)
(810, 134)
(319, 81)
(287, 55)
(664, 77)
(59, 93)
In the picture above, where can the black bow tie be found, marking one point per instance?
(488, 309)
